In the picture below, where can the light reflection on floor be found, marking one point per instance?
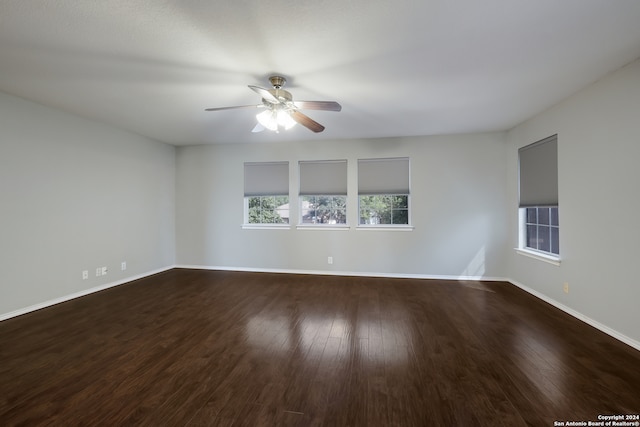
(309, 335)
(538, 360)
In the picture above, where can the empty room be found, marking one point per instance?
(330, 213)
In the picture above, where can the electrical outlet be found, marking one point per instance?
(104, 271)
(123, 265)
(85, 274)
(330, 260)
(98, 272)
(565, 287)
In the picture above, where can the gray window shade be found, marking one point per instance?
(383, 176)
(266, 179)
(539, 173)
(328, 178)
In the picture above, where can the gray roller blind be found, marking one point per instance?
(328, 177)
(383, 176)
(539, 173)
(266, 179)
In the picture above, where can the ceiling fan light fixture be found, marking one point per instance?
(275, 119)
(285, 120)
(268, 120)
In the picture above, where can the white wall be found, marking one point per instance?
(76, 195)
(599, 197)
(458, 206)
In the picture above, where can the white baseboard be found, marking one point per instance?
(343, 273)
(607, 330)
(82, 293)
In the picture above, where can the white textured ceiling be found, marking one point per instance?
(398, 68)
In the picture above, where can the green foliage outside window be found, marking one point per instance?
(384, 209)
(268, 210)
(324, 209)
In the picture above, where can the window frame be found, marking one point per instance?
(522, 249)
(310, 173)
(526, 224)
(372, 181)
(264, 180)
(248, 224)
(538, 188)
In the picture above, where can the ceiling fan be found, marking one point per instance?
(281, 110)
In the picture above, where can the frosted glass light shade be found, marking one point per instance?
(285, 120)
(272, 119)
(268, 119)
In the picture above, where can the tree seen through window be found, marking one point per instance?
(384, 209)
(268, 210)
(324, 209)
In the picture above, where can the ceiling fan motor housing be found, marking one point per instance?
(277, 81)
(282, 95)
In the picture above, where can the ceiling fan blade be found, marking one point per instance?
(318, 105)
(306, 121)
(265, 94)
(234, 108)
(258, 128)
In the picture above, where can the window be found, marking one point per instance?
(268, 210)
(383, 191)
(542, 229)
(324, 209)
(385, 209)
(266, 193)
(539, 218)
(323, 192)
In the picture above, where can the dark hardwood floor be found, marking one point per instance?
(203, 348)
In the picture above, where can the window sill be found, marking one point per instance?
(266, 226)
(539, 256)
(385, 228)
(332, 227)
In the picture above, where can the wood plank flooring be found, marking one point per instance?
(212, 348)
